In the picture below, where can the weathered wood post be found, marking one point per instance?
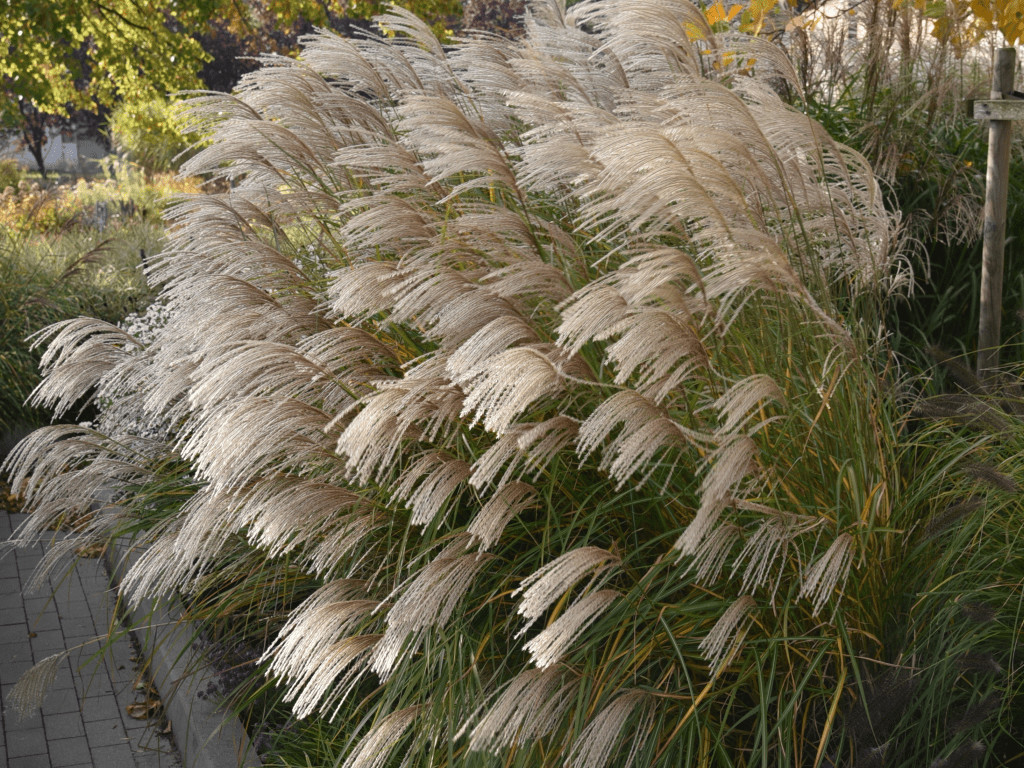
(1001, 111)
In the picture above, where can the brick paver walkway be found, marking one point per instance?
(83, 721)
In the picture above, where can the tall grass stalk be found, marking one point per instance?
(545, 381)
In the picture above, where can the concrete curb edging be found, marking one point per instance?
(206, 735)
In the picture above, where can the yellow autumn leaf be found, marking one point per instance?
(982, 10)
(754, 17)
(694, 33)
(717, 13)
(1010, 19)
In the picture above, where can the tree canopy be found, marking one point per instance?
(63, 57)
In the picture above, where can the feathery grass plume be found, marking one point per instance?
(766, 548)
(979, 612)
(522, 447)
(505, 453)
(655, 348)
(80, 352)
(376, 746)
(428, 599)
(497, 336)
(326, 684)
(30, 690)
(737, 404)
(318, 653)
(727, 635)
(548, 646)
(284, 513)
(707, 564)
(529, 706)
(428, 484)
(964, 409)
(645, 430)
(541, 441)
(87, 532)
(730, 464)
(234, 445)
(829, 572)
(976, 714)
(552, 580)
(951, 515)
(338, 543)
(983, 662)
(62, 469)
(962, 757)
(991, 476)
(507, 384)
(507, 502)
(595, 746)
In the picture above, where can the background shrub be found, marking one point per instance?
(150, 134)
(10, 174)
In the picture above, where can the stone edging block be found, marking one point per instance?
(206, 735)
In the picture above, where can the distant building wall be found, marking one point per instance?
(64, 152)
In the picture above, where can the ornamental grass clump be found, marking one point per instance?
(550, 366)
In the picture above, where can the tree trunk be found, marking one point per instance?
(33, 134)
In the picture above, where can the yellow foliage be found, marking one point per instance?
(717, 13)
(962, 23)
(754, 17)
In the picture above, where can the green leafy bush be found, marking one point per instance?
(10, 174)
(524, 403)
(70, 250)
(50, 280)
(149, 134)
(123, 194)
(901, 96)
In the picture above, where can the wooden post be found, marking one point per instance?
(996, 186)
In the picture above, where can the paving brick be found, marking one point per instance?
(37, 606)
(13, 633)
(60, 701)
(30, 555)
(45, 622)
(10, 597)
(99, 708)
(78, 626)
(63, 726)
(71, 608)
(77, 610)
(155, 760)
(26, 741)
(83, 656)
(30, 761)
(94, 688)
(70, 592)
(37, 619)
(11, 671)
(142, 739)
(64, 681)
(103, 733)
(27, 567)
(15, 651)
(9, 585)
(119, 756)
(46, 643)
(98, 586)
(68, 752)
(122, 673)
